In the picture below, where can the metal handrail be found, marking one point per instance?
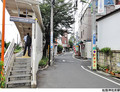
(8, 55)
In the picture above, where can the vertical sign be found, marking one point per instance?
(94, 62)
(51, 39)
(100, 6)
(74, 49)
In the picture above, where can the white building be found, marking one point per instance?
(109, 30)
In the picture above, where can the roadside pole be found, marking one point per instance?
(3, 38)
(51, 34)
(94, 52)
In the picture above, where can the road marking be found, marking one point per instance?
(63, 60)
(100, 76)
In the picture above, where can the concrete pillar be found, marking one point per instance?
(33, 63)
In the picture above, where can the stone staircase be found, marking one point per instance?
(20, 74)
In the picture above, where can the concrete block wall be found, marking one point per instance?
(104, 60)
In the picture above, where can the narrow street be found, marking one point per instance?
(68, 72)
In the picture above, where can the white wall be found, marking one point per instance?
(88, 49)
(37, 50)
(39, 45)
(109, 32)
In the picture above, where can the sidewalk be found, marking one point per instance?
(99, 71)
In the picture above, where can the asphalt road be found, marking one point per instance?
(68, 72)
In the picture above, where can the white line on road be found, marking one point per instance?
(100, 76)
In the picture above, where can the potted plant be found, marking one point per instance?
(112, 73)
(117, 73)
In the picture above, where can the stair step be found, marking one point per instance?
(19, 78)
(25, 75)
(18, 68)
(21, 70)
(18, 81)
(22, 65)
(22, 59)
(16, 73)
(22, 85)
(19, 86)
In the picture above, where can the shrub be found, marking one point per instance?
(2, 78)
(106, 50)
(43, 61)
(59, 48)
(17, 49)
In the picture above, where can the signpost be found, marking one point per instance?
(100, 6)
(24, 20)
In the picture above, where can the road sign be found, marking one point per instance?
(20, 19)
(94, 39)
(51, 39)
(100, 6)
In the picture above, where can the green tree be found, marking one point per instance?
(7, 44)
(70, 43)
(63, 18)
(59, 48)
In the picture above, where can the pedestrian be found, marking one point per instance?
(27, 40)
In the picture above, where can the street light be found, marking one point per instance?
(94, 56)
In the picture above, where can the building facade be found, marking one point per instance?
(85, 26)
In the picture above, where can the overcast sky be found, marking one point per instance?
(10, 28)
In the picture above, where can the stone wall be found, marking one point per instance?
(111, 61)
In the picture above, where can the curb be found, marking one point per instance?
(44, 68)
(59, 54)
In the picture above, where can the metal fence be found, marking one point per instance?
(8, 56)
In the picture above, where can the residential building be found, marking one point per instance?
(108, 36)
(65, 42)
(109, 24)
(85, 26)
(62, 40)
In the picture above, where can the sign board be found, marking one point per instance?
(94, 63)
(20, 19)
(51, 40)
(77, 46)
(74, 49)
(100, 6)
(94, 39)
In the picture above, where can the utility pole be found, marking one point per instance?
(94, 52)
(51, 34)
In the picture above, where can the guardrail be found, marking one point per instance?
(8, 56)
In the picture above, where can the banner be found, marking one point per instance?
(100, 6)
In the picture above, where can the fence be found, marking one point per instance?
(9, 57)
